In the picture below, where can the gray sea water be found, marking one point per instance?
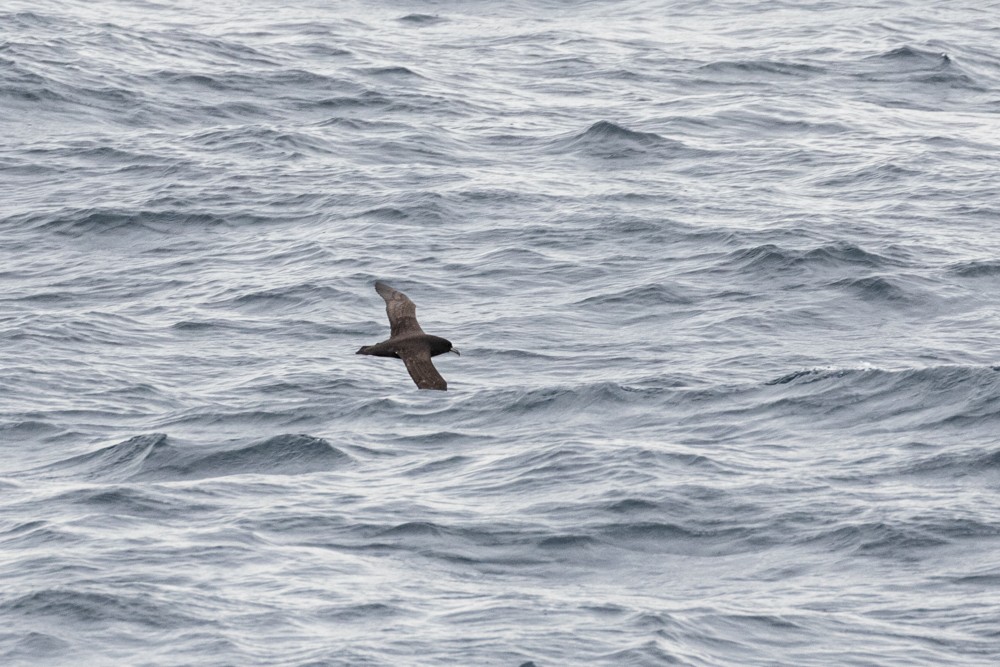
(725, 277)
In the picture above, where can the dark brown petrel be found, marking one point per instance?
(407, 341)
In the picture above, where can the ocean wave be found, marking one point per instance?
(751, 70)
(914, 65)
(51, 92)
(674, 538)
(260, 140)
(27, 428)
(282, 81)
(122, 460)
(153, 457)
(776, 123)
(18, 82)
(897, 539)
(122, 500)
(80, 606)
(877, 289)
(984, 268)
(30, 20)
(418, 209)
(977, 461)
(944, 377)
(607, 140)
(293, 298)
(421, 19)
(359, 613)
(865, 178)
(34, 646)
(645, 295)
(937, 396)
(839, 256)
(44, 535)
(569, 398)
(393, 71)
(912, 55)
(106, 221)
(364, 100)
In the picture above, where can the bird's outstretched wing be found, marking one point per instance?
(419, 365)
(401, 311)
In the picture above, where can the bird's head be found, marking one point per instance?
(441, 345)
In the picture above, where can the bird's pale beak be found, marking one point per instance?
(455, 351)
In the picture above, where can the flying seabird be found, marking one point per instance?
(407, 341)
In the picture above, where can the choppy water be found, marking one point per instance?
(725, 277)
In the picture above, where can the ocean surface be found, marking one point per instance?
(725, 277)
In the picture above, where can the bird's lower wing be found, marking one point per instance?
(423, 372)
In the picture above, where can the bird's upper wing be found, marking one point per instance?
(422, 370)
(401, 311)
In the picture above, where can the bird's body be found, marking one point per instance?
(407, 341)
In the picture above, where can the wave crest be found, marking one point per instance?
(153, 457)
(608, 140)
